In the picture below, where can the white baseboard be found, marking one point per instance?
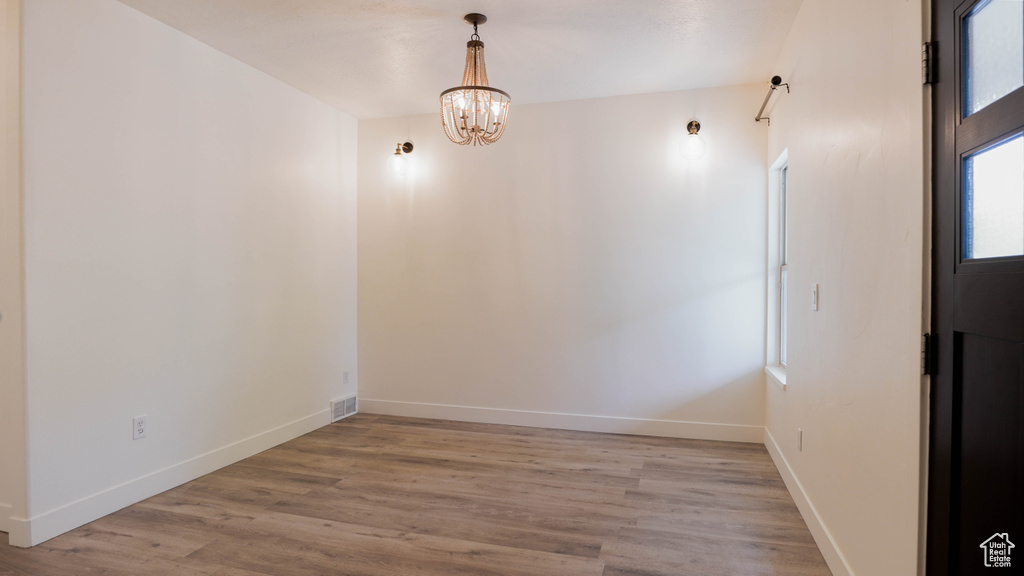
(613, 424)
(5, 517)
(822, 537)
(38, 529)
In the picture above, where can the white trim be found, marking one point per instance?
(822, 537)
(776, 374)
(41, 528)
(582, 422)
(772, 259)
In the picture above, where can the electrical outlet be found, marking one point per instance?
(799, 440)
(138, 427)
(344, 377)
(814, 298)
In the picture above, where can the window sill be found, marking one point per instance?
(776, 374)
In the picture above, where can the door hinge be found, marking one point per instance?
(927, 354)
(928, 63)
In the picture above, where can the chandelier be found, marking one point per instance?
(474, 113)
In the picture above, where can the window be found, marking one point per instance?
(990, 140)
(777, 321)
(783, 259)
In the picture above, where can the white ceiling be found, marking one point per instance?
(379, 58)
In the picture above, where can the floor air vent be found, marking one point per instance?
(343, 408)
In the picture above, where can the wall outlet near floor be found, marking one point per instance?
(344, 377)
(799, 440)
(138, 427)
(814, 298)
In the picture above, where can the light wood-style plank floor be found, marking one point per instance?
(379, 495)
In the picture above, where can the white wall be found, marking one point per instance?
(853, 128)
(575, 274)
(12, 351)
(190, 256)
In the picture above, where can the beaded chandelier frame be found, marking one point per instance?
(474, 113)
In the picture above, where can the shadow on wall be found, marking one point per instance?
(718, 400)
(682, 351)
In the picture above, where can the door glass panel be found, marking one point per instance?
(994, 52)
(994, 201)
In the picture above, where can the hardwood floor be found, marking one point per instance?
(380, 495)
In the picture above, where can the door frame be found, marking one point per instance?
(951, 141)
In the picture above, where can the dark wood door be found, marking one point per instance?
(976, 461)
